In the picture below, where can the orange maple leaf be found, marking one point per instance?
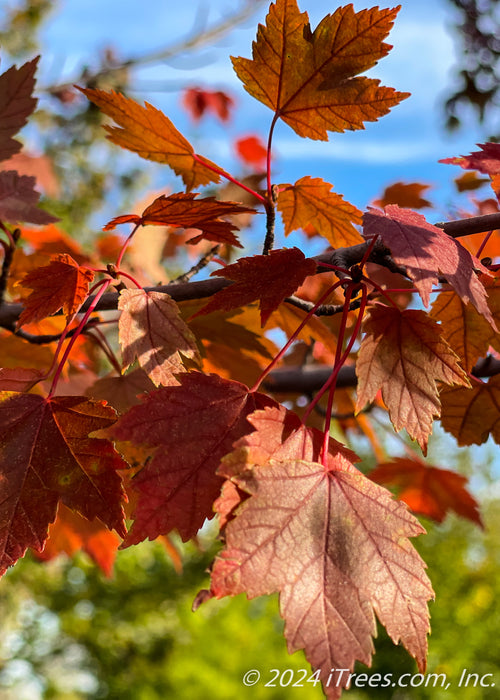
(308, 78)
(310, 202)
(472, 414)
(62, 284)
(70, 533)
(149, 133)
(428, 490)
(466, 330)
(403, 354)
(404, 194)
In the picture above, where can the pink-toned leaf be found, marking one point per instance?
(151, 330)
(426, 251)
(334, 547)
(487, 160)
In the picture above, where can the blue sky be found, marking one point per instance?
(404, 145)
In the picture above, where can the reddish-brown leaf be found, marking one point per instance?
(405, 194)
(151, 330)
(487, 160)
(331, 542)
(70, 532)
(121, 390)
(308, 78)
(403, 354)
(19, 378)
(310, 202)
(469, 181)
(267, 278)
(428, 490)
(62, 284)
(149, 133)
(47, 455)
(425, 251)
(199, 102)
(471, 415)
(182, 210)
(192, 426)
(252, 151)
(19, 200)
(16, 104)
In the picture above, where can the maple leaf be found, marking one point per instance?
(70, 533)
(181, 210)
(16, 104)
(62, 284)
(334, 547)
(307, 78)
(466, 331)
(428, 490)
(198, 102)
(19, 378)
(268, 278)
(487, 160)
(192, 426)
(47, 455)
(151, 329)
(425, 251)
(19, 199)
(404, 194)
(149, 133)
(471, 415)
(252, 151)
(310, 202)
(121, 391)
(403, 354)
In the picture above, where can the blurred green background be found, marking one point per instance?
(70, 633)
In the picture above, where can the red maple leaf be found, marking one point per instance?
(47, 455)
(487, 160)
(267, 278)
(62, 284)
(428, 490)
(252, 151)
(333, 546)
(198, 102)
(192, 426)
(16, 104)
(425, 251)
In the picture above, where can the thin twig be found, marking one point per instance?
(202, 262)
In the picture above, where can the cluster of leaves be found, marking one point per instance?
(129, 411)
